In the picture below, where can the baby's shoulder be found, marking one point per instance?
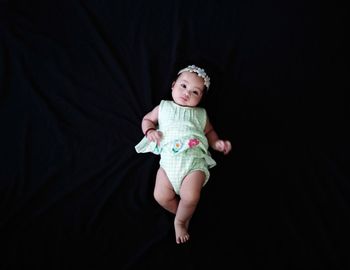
(202, 110)
(165, 103)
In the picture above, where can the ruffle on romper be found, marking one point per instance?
(177, 146)
(145, 146)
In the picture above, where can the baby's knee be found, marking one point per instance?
(162, 197)
(190, 198)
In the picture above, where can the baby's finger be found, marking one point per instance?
(221, 146)
(227, 147)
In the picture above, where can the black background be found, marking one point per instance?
(76, 78)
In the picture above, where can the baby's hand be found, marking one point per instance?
(154, 136)
(223, 146)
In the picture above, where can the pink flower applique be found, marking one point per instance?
(193, 142)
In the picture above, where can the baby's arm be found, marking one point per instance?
(149, 125)
(214, 141)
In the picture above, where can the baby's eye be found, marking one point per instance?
(183, 85)
(196, 93)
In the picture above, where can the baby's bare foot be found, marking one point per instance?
(181, 232)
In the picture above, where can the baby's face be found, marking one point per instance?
(188, 89)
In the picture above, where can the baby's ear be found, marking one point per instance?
(172, 85)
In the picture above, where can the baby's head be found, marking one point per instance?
(190, 86)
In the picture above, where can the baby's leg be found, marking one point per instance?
(164, 193)
(189, 193)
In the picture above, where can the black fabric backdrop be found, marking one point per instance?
(76, 78)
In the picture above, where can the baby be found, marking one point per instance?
(181, 133)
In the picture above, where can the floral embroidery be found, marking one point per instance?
(177, 146)
(193, 142)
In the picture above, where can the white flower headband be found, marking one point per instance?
(200, 72)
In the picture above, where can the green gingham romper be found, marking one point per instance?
(184, 146)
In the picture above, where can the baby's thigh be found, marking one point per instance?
(192, 185)
(163, 188)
